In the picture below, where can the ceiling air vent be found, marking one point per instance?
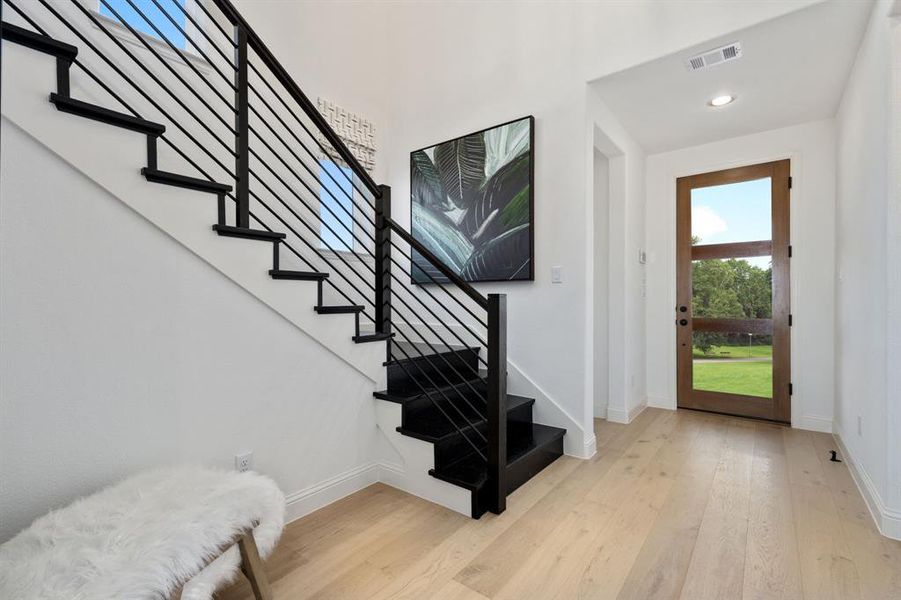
(714, 57)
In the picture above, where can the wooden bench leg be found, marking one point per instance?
(252, 567)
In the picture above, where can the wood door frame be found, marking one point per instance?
(779, 407)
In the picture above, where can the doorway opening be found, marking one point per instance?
(733, 302)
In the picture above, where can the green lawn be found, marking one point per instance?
(735, 352)
(748, 378)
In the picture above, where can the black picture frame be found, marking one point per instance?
(439, 278)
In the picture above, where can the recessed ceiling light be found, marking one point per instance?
(722, 100)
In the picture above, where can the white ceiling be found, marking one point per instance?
(793, 70)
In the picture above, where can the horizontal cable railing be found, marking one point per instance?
(239, 117)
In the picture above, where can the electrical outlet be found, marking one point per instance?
(556, 274)
(244, 462)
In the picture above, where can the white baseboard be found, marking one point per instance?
(810, 423)
(888, 521)
(590, 447)
(618, 415)
(307, 500)
(661, 402)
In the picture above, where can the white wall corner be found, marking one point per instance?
(618, 415)
(314, 497)
(888, 521)
(548, 411)
(814, 423)
(590, 447)
(662, 402)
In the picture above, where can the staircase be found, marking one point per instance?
(445, 360)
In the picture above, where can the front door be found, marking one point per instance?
(733, 303)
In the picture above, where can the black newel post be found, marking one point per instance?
(497, 402)
(383, 261)
(242, 129)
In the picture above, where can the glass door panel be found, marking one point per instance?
(732, 213)
(733, 363)
(732, 288)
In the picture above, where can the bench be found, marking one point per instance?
(178, 533)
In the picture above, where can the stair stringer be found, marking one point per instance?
(418, 458)
(113, 157)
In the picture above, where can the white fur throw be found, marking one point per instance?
(142, 538)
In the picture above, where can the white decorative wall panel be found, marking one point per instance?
(355, 131)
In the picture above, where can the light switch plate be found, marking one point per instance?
(556, 274)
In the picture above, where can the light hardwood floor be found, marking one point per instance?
(674, 505)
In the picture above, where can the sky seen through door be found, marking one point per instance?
(736, 212)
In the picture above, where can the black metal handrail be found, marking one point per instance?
(450, 388)
(202, 147)
(436, 262)
(256, 43)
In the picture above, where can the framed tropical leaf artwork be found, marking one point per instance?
(472, 204)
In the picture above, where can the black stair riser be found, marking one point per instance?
(526, 467)
(418, 415)
(530, 448)
(520, 472)
(474, 391)
(454, 447)
(430, 422)
(434, 370)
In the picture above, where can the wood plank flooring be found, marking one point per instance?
(674, 505)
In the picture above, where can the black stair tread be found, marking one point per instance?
(431, 425)
(297, 275)
(338, 310)
(39, 42)
(252, 234)
(412, 348)
(105, 115)
(404, 351)
(415, 394)
(194, 183)
(471, 472)
(372, 337)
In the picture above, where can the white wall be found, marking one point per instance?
(893, 289)
(811, 148)
(123, 350)
(334, 50)
(452, 73)
(104, 399)
(868, 259)
(623, 290)
(599, 308)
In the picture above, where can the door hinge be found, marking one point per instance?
(789, 250)
(789, 320)
(791, 389)
(789, 182)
